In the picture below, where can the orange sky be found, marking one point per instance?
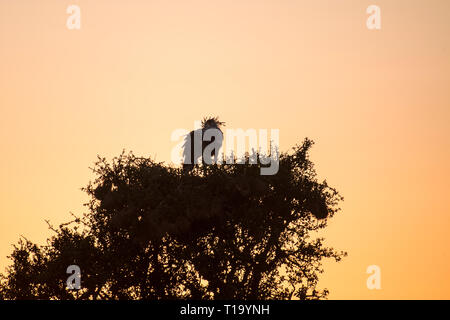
(375, 102)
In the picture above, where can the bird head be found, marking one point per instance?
(212, 122)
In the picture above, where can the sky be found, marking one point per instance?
(376, 103)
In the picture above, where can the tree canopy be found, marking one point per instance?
(153, 231)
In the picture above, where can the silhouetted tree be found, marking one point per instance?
(156, 232)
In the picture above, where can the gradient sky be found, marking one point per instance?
(376, 102)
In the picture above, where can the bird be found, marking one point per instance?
(210, 134)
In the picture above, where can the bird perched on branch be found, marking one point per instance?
(204, 142)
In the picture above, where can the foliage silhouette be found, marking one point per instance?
(155, 232)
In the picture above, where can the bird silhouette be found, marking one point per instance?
(198, 140)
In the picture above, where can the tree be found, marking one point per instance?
(152, 231)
